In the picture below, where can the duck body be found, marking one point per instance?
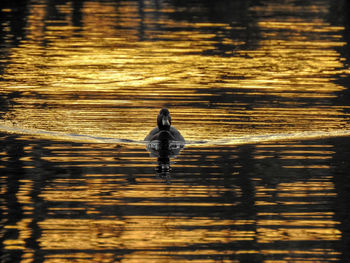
(164, 130)
(172, 135)
(164, 142)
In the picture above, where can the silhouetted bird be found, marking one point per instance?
(164, 142)
(164, 131)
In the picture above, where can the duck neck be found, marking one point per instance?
(164, 128)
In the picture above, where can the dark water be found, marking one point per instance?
(259, 89)
(82, 202)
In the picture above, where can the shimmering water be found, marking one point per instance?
(259, 90)
(81, 202)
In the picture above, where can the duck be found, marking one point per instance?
(164, 130)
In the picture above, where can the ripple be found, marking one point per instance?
(245, 139)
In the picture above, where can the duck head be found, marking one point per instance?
(164, 119)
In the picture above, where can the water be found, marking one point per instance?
(83, 202)
(259, 90)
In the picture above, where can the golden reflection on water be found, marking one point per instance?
(119, 67)
(225, 202)
(108, 75)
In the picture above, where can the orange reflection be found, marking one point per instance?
(107, 77)
(104, 82)
(94, 209)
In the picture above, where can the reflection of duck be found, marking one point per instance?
(164, 125)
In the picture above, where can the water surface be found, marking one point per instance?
(79, 202)
(259, 90)
(226, 70)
